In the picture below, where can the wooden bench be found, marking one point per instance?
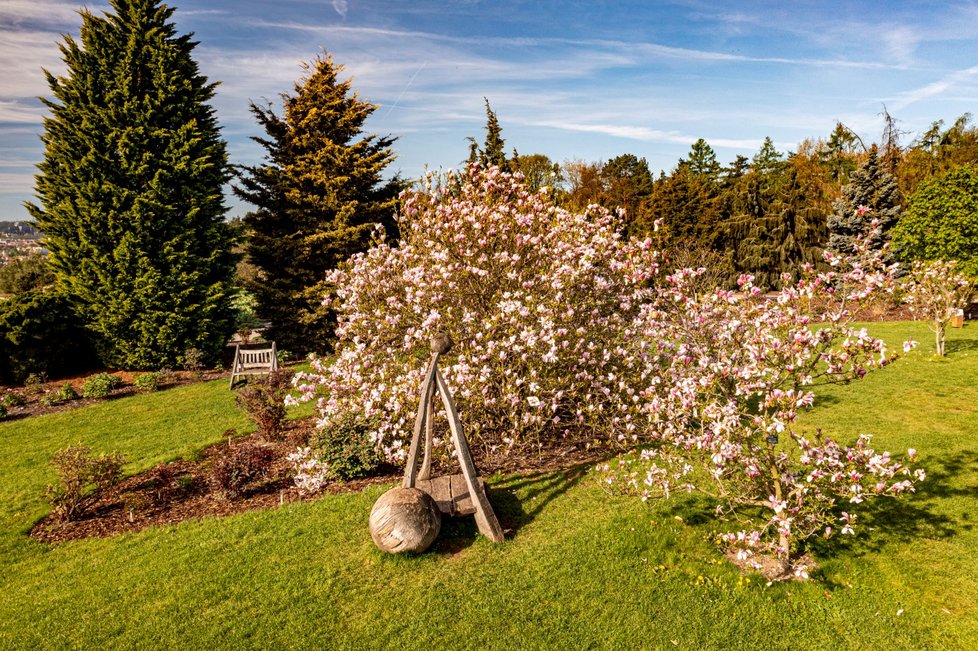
(253, 361)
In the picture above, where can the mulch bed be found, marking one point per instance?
(183, 490)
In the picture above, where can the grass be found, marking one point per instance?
(580, 570)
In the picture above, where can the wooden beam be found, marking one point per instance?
(485, 519)
(411, 469)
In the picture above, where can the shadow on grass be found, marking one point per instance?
(952, 346)
(538, 490)
(884, 521)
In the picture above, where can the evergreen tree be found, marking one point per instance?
(684, 203)
(768, 160)
(318, 195)
(702, 160)
(493, 151)
(129, 191)
(872, 187)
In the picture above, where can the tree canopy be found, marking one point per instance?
(130, 189)
(318, 195)
(941, 222)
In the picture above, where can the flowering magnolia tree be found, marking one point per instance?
(732, 371)
(542, 303)
(565, 330)
(934, 292)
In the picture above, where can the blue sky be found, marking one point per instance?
(573, 80)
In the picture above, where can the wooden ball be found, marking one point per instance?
(441, 344)
(404, 520)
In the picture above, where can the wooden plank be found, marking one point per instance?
(485, 518)
(440, 490)
(429, 425)
(460, 495)
(411, 468)
(451, 493)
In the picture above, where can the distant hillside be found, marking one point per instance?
(21, 230)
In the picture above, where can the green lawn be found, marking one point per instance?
(582, 570)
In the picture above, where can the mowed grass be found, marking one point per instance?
(580, 568)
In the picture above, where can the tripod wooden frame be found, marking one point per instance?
(462, 494)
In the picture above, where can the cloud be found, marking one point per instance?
(340, 6)
(45, 12)
(934, 89)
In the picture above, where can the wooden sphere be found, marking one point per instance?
(404, 520)
(441, 343)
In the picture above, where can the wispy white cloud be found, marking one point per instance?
(44, 12)
(935, 88)
(341, 7)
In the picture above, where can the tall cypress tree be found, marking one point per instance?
(129, 192)
(318, 195)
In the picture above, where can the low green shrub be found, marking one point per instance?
(346, 449)
(40, 331)
(100, 385)
(12, 399)
(34, 383)
(66, 393)
(147, 382)
(81, 476)
(194, 361)
(3, 411)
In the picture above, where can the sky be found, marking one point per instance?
(569, 79)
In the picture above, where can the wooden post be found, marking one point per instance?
(411, 469)
(429, 426)
(484, 516)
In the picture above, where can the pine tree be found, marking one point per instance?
(872, 187)
(129, 191)
(318, 195)
(702, 160)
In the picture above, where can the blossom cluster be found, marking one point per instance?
(310, 473)
(541, 302)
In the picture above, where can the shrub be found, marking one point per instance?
(345, 448)
(81, 476)
(231, 474)
(3, 411)
(100, 385)
(34, 384)
(727, 375)
(66, 393)
(539, 300)
(12, 399)
(147, 382)
(263, 402)
(193, 361)
(39, 331)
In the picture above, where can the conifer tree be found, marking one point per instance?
(872, 187)
(129, 191)
(318, 195)
(493, 151)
